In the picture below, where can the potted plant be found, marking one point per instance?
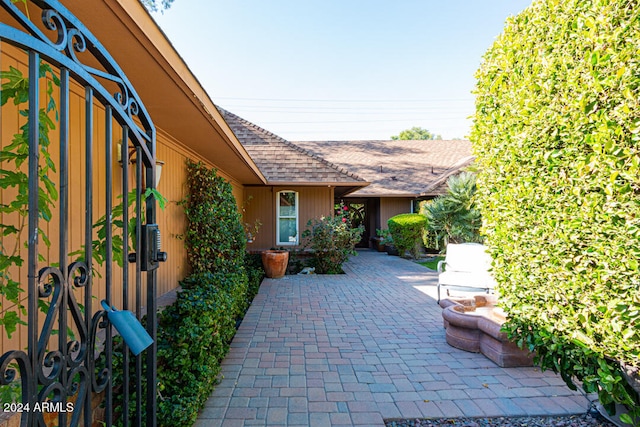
(378, 240)
(251, 230)
(387, 241)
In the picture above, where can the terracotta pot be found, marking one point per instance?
(391, 250)
(275, 263)
(377, 244)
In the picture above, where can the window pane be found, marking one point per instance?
(287, 230)
(288, 204)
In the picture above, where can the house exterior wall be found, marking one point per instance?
(171, 220)
(392, 206)
(260, 204)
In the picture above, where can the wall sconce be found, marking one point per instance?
(131, 159)
(159, 165)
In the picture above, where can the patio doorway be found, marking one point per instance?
(359, 211)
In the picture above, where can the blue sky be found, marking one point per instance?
(340, 69)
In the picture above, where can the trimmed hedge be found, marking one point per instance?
(195, 332)
(556, 134)
(193, 338)
(406, 231)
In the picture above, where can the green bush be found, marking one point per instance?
(430, 239)
(332, 240)
(255, 274)
(193, 338)
(406, 231)
(454, 216)
(235, 284)
(556, 133)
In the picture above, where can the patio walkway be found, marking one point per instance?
(358, 348)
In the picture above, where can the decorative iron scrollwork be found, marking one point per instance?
(71, 38)
(9, 373)
(100, 375)
(69, 354)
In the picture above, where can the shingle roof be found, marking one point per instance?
(280, 161)
(397, 168)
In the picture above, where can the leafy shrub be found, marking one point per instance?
(454, 216)
(215, 237)
(332, 240)
(255, 274)
(385, 236)
(406, 230)
(235, 284)
(556, 135)
(430, 239)
(193, 338)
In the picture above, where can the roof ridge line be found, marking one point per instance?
(294, 146)
(403, 141)
(448, 172)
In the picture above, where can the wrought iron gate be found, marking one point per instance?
(69, 351)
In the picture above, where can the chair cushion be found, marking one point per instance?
(467, 257)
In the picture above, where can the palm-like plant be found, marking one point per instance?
(454, 217)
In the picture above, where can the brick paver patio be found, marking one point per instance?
(358, 348)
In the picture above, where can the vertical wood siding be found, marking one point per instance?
(171, 220)
(392, 206)
(260, 204)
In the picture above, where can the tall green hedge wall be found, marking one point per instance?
(215, 238)
(556, 134)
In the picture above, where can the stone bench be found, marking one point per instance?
(473, 324)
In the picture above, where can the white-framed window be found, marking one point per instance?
(287, 218)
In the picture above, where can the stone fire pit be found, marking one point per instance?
(473, 324)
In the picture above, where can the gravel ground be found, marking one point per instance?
(584, 420)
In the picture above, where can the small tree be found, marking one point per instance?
(155, 5)
(454, 216)
(416, 133)
(407, 230)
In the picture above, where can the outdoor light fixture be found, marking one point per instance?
(131, 159)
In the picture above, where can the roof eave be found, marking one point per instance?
(458, 167)
(357, 185)
(388, 195)
(138, 44)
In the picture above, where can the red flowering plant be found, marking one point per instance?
(333, 240)
(342, 211)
